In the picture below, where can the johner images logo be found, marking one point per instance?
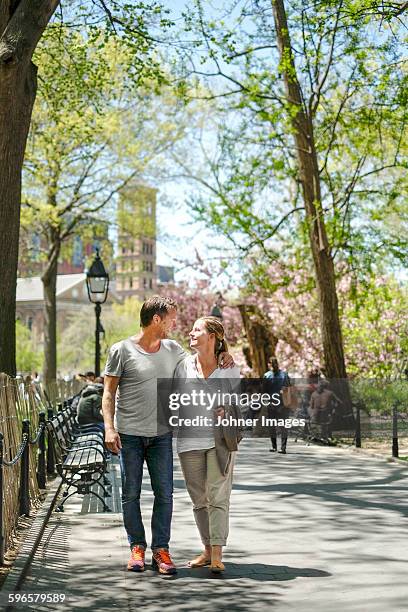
(200, 405)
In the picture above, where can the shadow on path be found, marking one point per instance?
(258, 572)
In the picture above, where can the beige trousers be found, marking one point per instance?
(210, 493)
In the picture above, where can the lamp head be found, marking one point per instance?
(97, 281)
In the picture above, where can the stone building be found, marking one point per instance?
(78, 251)
(136, 273)
(72, 296)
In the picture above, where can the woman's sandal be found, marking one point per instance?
(217, 567)
(200, 561)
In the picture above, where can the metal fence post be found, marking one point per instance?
(395, 450)
(1, 500)
(59, 407)
(41, 469)
(50, 446)
(358, 426)
(24, 473)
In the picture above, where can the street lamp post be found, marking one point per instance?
(97, 282)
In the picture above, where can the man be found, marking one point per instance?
(280, 379)
(133, 367)
(323, 403)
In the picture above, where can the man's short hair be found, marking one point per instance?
(155, 305)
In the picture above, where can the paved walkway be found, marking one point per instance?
(317, 530)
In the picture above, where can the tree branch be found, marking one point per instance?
(85, 174)
(101, 205)
(342, 104)
(277, 226)
(315, 97)
(250, 50)
(113, 19)
(25, 28)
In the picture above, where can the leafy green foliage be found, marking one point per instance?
(94, 133)
(379, 396)
(97, 130)
(352, 76)
(119, 321)
(376, 331)
(28, 358)
(138, 26)
(354, 85)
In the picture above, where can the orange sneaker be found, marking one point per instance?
(136, 562)
(162, 562)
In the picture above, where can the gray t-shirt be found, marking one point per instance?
(136, 400)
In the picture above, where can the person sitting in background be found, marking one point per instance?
(4, 380)
(36, 378)
(30, 389)
(88, 377)
(89, 411)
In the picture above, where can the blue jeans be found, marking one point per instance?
(158, 453)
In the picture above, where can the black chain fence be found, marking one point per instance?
(26, 454)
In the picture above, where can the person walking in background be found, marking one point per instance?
(279, 379)
(206, 461)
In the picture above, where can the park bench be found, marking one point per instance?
(81, 458)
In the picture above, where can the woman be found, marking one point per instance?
(208, 477)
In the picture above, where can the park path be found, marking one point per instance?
(317, 530)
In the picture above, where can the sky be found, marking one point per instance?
(180, 237)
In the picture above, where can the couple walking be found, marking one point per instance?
(132, 429)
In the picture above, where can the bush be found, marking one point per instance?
(380, 396)
(28, 359)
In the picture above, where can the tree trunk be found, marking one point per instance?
(17, 93)
(262, 343)
(310, 179)
(334, 363)
(49, 280)
(22, 23)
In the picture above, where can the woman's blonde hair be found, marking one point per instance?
(214, 326)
